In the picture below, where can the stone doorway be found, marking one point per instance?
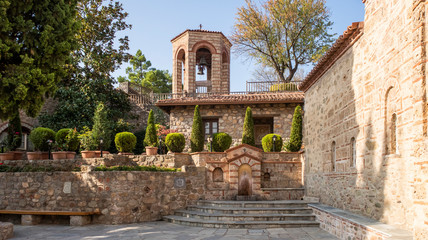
(245, 180)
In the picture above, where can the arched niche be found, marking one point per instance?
(217, 175)
(245, 180)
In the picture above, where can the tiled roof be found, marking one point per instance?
(199, 30)
(342, 44)
(283, 97)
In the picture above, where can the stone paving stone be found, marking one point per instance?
(236, 232)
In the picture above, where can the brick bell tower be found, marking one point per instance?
(201, 62)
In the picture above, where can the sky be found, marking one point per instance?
(156, 22)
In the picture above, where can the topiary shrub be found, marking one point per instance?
(151, 139)
(267, 143)
(290, 87)
(103, 126)
(197, 136)
(248, 130)
(175, 142)
(14, 133)
(72, 140)
(295, 142)
(221, 142)
(125, 141)
(40, 136)
(60, 137)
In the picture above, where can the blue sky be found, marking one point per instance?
(156, 22)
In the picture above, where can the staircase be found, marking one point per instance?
(246, 214)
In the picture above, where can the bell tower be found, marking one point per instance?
(201, 62)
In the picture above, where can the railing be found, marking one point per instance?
(255, 87)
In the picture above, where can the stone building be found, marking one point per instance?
(366, 118)
(201, 76)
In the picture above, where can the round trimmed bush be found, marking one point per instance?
(69, 138)
(267, 143)
(221, 142)
(40, 136)
(125, 141)
(175, 142)
(61, 135)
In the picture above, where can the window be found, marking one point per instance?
(353, 158)
(393, 134)
(211, 127)
(333, 156)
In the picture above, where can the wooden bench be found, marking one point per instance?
(32, 217)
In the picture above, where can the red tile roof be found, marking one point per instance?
(199, 30)
(342, 44)
(223, 99)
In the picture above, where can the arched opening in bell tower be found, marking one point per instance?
(203, 70)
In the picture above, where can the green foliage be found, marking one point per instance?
(87, 140)
(289, 87)
(283, 34)
(36, 38)
(99, 54)
(72, 140)
(248, 130)
(151, 139)
(60, 137)
(221, 142)
(14, 133)
(175, 142)
(141, 73)
(197, 136)
(103, 126)
(125, 141)
(136, 168)
(267, 143)
(40, 136)
(296, 136)
(139, 147)
(33, 168)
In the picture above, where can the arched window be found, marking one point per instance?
(393, 130)
(353, 153)
(333, 156)
(218, 175)
(266, 177)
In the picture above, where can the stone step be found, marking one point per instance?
(254, 204)
(250, 210)
(244, 217)
(239, 224)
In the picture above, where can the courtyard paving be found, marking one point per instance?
(163, 230)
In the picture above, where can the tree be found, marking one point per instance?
(151, 139)
(99, 54)
(197, 137)
(103, 126)
(14, 133)
(295, 142)
(248, 130)
(141, 73)
(283, 34)
(36, 38)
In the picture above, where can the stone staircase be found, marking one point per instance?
(246, 214)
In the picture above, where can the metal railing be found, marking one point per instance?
(254, 87)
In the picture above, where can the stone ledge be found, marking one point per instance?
(6, 230)
(381, 230)
(281, 189)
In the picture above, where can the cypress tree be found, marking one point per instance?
(151, 139)
(295, 142)
(197, 137)
(103, 127)
(14, 133)
(248, 131)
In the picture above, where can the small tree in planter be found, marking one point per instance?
(66, 141)
(39, 137)
(221, 142)
(268, 143)
(197, 136)
(295, 142)
(248, 130)
(151, 140)
(103, 127)
(14, 136)
(125, 142)
(87, 143)
(175, 142)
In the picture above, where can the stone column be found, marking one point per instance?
(216, 72)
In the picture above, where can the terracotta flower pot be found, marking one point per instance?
(59, 155)
(17, 155)
(71, 155)
(150, 151)
(98, 153)
(125, 153)
(88, 154)
(34, 155)
(6, 156)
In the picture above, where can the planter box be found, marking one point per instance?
(89, 154)
(37, 155)
(6, 156)
(150, 151)
(59, 155)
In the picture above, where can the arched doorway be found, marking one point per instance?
(245, 180)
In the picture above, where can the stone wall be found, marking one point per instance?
(231, 118)
(375, 93)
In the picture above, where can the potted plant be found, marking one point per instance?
(39, 137)
(175, 142)
(125, 142)
(87, 143)
(60, 152)
(5, 155)
(67, 141)
(14, 137)
(102, 129)
(151, 140)
(272, 143)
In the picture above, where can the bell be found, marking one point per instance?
(200, 69)
(203, 62)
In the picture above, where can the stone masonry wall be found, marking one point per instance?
(378, 77)
(231, 118)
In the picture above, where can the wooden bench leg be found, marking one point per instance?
(80, 220)
(30, 219)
